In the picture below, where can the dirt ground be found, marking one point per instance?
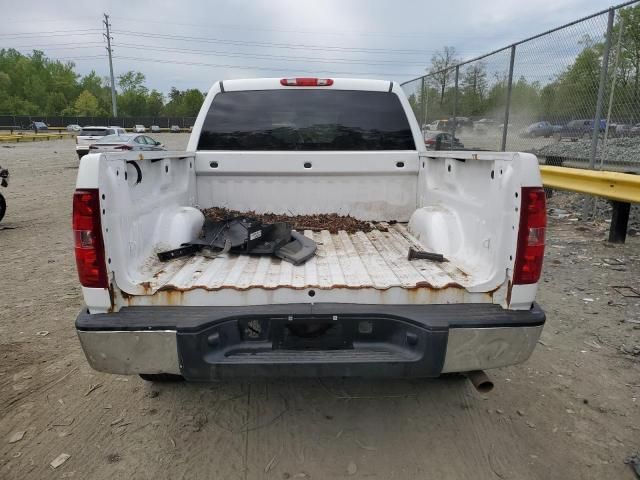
(571, 411)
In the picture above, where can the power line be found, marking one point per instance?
(281, 30)
(271, 57)
(54, 33)
(253, 67)
(328, 48)
(82, 57)
(61, 46)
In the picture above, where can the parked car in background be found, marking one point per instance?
(89, 135)
(538, 129)
(73, 128)
(125, 141)
(139, 129)
(463, 122)
(174, 129)
(440, 126)
(435, 140)
(575, 130)
(635, 130)
(155, 129)
(620, 130)
(484, 124)
(38, 127)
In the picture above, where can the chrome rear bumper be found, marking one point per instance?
(421, 344)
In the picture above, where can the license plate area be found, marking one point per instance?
(298, 334)
(314, 335)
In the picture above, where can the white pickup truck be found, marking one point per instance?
(89, 135)
(360, 306)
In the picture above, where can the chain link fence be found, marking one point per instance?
(570, 95)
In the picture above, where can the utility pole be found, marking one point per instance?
(114, 106)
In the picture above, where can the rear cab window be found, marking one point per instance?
(93, 132)
(306, 119)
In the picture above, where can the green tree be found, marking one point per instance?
(133, 99)
(87, 105)
(441, 70)
(473, 89)
(132, 82)
(155, 103)
(99, 88)
(192, 102)
(185, 103)
(56, 103)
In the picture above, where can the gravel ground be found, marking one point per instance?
(619, 154)
(586, 208)
(571, 411)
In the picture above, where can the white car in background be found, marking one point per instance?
(124, 142)
(139, 129)
(74, 128)
(89, 135)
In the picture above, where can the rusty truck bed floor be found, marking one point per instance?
(377, 259)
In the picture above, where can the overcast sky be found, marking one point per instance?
(190, 44)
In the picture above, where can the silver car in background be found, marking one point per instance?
(89, 135)
(127, 141)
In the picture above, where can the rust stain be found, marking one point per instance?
(419, 286)
(176, 296)
(125, 295)
(509, 286)
(112, 298)
(428, 286)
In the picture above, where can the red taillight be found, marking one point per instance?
(87, 234)
(306, 82)
(430, 142)
(124, 147)
(533, 222)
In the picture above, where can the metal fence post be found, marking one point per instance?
(455, 107)
(505, 127)
(601, 86)
(423, 108)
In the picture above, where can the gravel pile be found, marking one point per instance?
(623, 150)
(332, 221)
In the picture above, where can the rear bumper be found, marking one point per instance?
(274, 340)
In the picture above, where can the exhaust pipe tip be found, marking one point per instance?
(480, 380)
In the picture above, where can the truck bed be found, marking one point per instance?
(373, 260)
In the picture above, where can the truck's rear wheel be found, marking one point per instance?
(161, 377)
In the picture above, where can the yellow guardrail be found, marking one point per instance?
(623, 187)
(33, 137)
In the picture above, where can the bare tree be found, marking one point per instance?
(441, 68)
